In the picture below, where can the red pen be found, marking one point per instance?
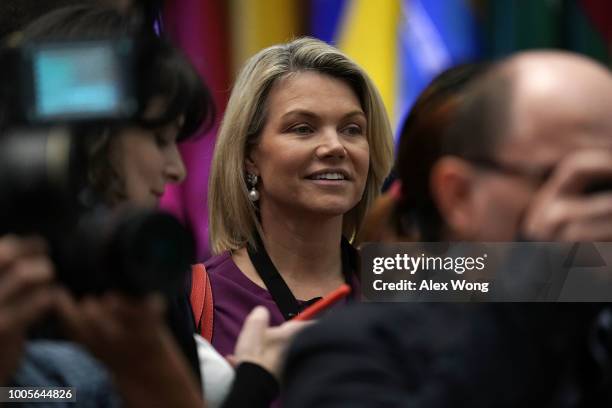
(324, 303)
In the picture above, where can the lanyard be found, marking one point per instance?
(276, 285)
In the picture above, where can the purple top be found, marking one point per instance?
(235, 295)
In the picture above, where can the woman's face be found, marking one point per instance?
(312, 157)
(146, 160)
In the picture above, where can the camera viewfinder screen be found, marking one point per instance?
(76, 82)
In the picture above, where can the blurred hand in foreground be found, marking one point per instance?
(130, 336)
(263, 345)
(26, 294)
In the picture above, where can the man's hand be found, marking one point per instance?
(25, 295)
(563, 211)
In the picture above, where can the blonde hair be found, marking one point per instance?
(232, 216)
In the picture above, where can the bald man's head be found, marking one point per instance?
(522, 118)
(560, 98)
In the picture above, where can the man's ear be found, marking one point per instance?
(452, 188)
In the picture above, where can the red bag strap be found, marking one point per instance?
(201, 301)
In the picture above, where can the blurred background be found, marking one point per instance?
(402, 44)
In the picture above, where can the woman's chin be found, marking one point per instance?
(330, 209)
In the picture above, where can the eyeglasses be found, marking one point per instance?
(538, 176)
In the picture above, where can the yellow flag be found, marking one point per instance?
(368, 34)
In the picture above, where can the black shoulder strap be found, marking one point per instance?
(350, 258)
(284, 299)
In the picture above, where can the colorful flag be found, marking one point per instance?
(402, 44)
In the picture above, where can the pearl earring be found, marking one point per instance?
(252, 182)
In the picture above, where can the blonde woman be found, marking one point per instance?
(301, 154)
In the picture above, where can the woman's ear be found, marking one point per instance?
(250, 165)
(451, 186)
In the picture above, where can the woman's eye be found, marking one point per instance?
(302, 130)
(353, 130)
(161, 139)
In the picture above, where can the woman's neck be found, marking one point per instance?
(306, 253)
(304, 249)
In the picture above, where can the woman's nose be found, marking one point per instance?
(331, 145)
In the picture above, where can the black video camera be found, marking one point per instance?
(50, 92)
